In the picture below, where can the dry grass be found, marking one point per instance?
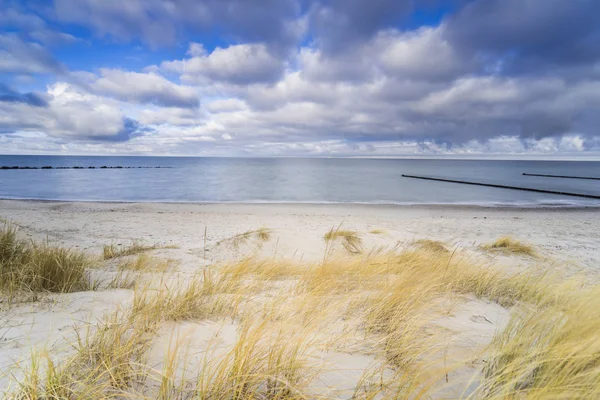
(265, 363)
(431, 245)
(113, 251)
(380, 303)
(201, 297)
(261, 234)
(511, 246)
(30, 267)
(145, 263)
(551, 352)
(351, 240)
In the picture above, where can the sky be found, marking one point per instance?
(301, 78)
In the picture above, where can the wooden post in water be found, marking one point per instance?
(563, 176)
(587, 196)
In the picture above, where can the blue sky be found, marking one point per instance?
(356, 78)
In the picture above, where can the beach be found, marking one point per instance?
(568, 237)
(196, 237)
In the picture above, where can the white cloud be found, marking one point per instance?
(144, 88)
(70, 114)
(236, 64)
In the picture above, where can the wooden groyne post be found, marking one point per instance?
(563, 176)
(587, 196)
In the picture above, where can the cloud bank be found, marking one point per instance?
(467, 78)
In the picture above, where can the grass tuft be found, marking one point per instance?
(431, 245)
(509, 245)
(351, 241)
(145, 263)
(30, 267)
(113, 251)
(262, 234)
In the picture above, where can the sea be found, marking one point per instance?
(295, 180)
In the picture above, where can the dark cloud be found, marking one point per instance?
(131, 129)
(12, 96)
(160, 23)
(340, 24)
(528, 35)
(23, 57)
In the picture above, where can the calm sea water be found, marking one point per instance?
(294, 180)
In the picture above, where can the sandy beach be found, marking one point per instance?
(193, 237)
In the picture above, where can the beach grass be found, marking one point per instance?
(261, 234)
(110, 251)
(290, 315)
(433, 245)
(145, 263)
(26, 266)
(351, 240)
(510, 245)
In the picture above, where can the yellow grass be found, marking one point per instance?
(351, 240)
(261, 234)
(145, 263)
(432, 245)
(381, 303)
(26, 266)
(114, 251)
(509, 245)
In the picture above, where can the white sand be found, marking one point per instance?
(568, 241)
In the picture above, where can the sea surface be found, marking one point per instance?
(294, 180)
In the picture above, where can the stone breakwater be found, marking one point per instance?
(5, 167)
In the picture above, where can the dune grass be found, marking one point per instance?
(381, 303)
(146, 263)
(511, 246)
(551, 352)
(26, 266)
(261, 234)
(351, 240)
(110, 251)
(433, 245)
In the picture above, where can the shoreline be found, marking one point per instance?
(427, 206)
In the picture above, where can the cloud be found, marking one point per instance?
(159, 23)
(33, 27)
(144, 88)
(23, 57)
(12, 96)
(338, 25)
(70, 114)
(237, 64)
(316, 77)
(528, 35)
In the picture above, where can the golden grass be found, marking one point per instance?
(380, 303)
(432, 245)
(512, 246)
(145, 263)
(30, 267)
(110, 251)
(551, 352)
(201, 297)
(264, 363)
(261, 234)
(351, 240)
